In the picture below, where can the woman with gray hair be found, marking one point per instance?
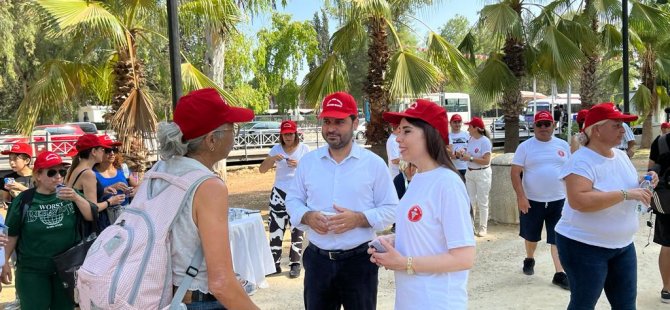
(202, 134)
(595, 234)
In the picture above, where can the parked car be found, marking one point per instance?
(87, 127)
(61, 138)
(359, 133)
(499, 124)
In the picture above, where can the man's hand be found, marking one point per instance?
(630, 152)
(317, 221)
(523, 204)
(6, 275)
(346, 220)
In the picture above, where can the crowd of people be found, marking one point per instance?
(433, 188)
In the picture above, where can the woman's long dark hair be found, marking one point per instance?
(75, 162)
(436, 147)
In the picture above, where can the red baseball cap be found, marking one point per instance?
(107, 142)
(288, 126)
(476, 122)
(89, 141)
(456, 118)
(47, 159)
(664, 126)
(603, 111)
(338, 105)
(203, 110)
(426, 111)
(19, 148)
(581, 115)
(543, 116)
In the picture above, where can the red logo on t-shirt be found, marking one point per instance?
(561, 153)
(415, 213)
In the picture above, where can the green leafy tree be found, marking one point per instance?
(455, 30)
(279, 57)
(393, 70)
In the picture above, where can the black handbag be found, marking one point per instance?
(68, 262)
(660, 200)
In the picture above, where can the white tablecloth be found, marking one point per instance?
(249, 246)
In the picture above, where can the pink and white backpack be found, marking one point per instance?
(129, 264)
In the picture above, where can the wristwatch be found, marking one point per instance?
(410, 270)
(472, 159)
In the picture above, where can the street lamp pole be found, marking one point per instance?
(175, 58)
(626, 60)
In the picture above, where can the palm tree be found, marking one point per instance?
(538, 48)
(393, 72)
(109, 67)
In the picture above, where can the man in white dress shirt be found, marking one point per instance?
(342, 193)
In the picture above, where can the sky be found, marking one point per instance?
(434, 16)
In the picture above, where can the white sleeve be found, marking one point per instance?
(628, 133)
(578, 166)
(520, 155)
(384, 196)
(455, 215)
(392, 150)
(487, 147)
(274, 150)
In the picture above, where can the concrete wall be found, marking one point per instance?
(502, 199)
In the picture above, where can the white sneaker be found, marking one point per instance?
(481, 232)
(14, 305)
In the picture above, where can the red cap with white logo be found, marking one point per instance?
(603, 111)
(476, 122)
(338, 105)
(47, 160)
(19, 148)
(543, 116)
(288, 127)
(426, 111)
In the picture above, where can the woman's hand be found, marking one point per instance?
(654, 177)
(640, 194)
(392, 259)
(278, 157)
(292, 163)
(67, 193)
(120, 186)
(16, 186)
(3, 240)
(117, 199)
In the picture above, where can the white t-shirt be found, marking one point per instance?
(542, 163)
(2, 249)
(610, 228)
(459, 141)
(433, 217)
(393, 152)
(284, 174)
(477, 148)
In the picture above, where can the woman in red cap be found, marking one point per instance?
(285, 155)
(90, 151)
(574, 142)
(595, 233)
(110, 172)
(478, 178)
(202, 134)
(20, 179)
(45, 229)
(433, 247)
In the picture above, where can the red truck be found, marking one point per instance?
(61, 138)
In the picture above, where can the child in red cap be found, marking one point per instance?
(20, 179)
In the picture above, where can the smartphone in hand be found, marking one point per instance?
(377, 245)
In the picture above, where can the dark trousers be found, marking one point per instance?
(330, 284)
(591, 269)
(278, 221)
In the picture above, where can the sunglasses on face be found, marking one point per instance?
(52, 172)
(110, 151)
(543, 124)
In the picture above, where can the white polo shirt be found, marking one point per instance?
(459, 141)
(433, 218)
(360, 182)
(542, 163)
(284, 174)
(393, 152)
(478, 148)
(627, 136)
(610, 228)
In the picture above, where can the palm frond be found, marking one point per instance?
(608, 10)
(452, 64)
(349, 36)
(642, 99)
(409, 74)
(328, 78)
(70, 16)
(649, 19)
(59, 81)
(467, 47)
(663, 97)
(135, 117)
(103, 84)
(580, 34)
(636, 41)
(501, 21)
(372, 8)
(492, 79)
(193, 79)
(544, 19)
(222, 15)
(615, 78)
(559, 56)
(611, 37)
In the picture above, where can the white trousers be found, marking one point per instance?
(478, 183)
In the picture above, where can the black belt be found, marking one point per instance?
(195, 296)
(622, 148)
(482, 168)
(340, 254)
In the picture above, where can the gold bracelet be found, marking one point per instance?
(625, 194)
(410, 270)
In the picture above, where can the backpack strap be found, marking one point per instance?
(25, 201)
(191, 273)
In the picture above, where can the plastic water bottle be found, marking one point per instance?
(646, 183)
